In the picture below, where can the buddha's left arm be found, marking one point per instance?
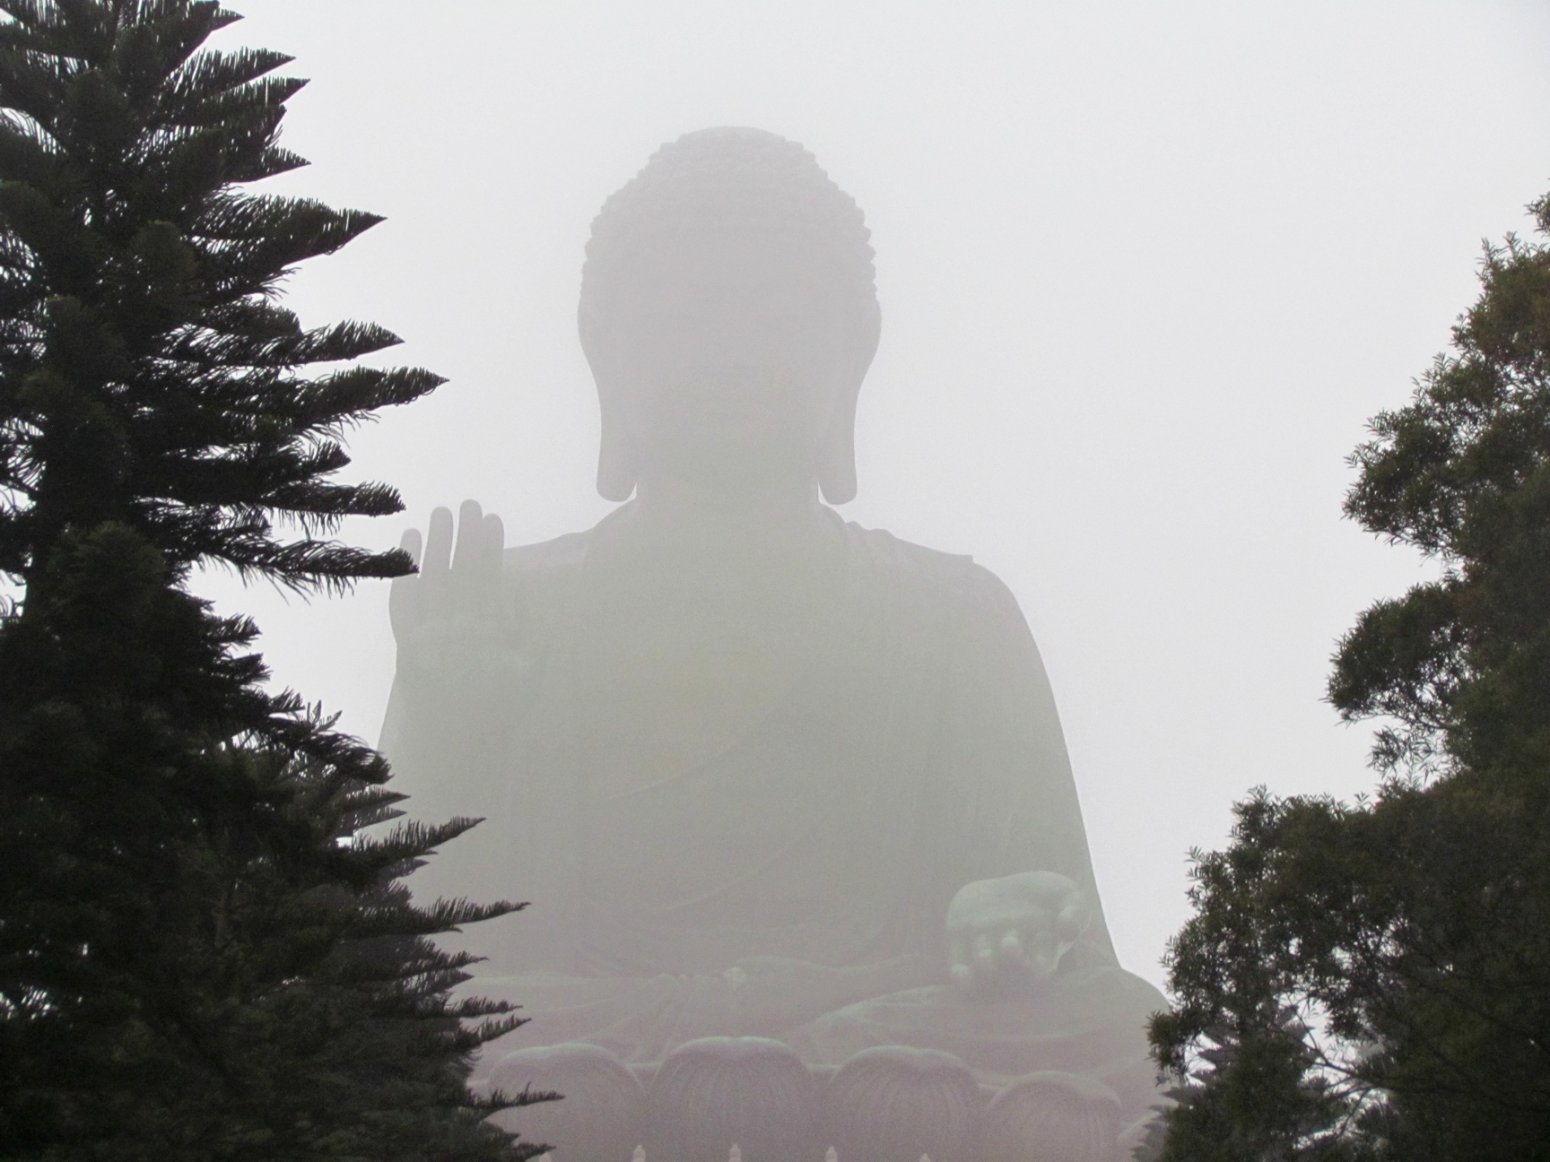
(1019, 797)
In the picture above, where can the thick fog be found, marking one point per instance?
(1144, 273)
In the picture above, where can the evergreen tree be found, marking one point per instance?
(201, 954)
(1462, 663)
(1253, 1093)
(1414, 928)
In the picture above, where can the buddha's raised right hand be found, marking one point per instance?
(453, 616)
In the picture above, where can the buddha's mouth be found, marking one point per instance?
(734, 401)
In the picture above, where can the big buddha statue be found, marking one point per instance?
(780, 788)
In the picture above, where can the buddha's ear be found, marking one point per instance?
(837, 458)
(618, 467)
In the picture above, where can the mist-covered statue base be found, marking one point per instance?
(755, 1099)
(789, 796)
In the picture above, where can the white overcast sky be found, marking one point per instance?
(1146, 270)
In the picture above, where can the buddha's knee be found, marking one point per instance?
(1052, 1117)
(718, 1092)
(895, 1104)
(600, 1116)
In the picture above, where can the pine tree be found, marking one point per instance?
(202, 955)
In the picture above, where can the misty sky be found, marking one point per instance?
(1145, 270)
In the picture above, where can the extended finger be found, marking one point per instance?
(403, 594)
(463, 580)
(1073, 920)
(438, 544)
(984, 952)
(1042, 947)
(470, 527)
(410, 543)
(958, 962)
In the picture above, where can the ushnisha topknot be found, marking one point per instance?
(725, 180)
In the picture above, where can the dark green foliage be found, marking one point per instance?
(1410, 934)
(145, 359)
(1254, 1093)
(1463, 472)
(1411, 938)
(202, 954)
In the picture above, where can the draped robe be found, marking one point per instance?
(762, 835)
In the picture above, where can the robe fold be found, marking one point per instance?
(782, 866)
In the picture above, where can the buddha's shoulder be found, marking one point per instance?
(929, 574)
(896, 552)
(879, 548)
(877, 561)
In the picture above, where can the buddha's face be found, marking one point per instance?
(728, 361)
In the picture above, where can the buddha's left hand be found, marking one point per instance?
(1009, 933)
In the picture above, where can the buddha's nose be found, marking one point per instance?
(745, 375)
(729, 379)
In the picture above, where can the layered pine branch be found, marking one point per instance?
(148, 373)
(204, 953)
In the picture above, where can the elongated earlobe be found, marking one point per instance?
(618, 467)
(837, 458)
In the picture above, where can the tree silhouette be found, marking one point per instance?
(1414, 928)
(202, 953)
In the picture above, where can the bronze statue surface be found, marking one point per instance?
(762, 772)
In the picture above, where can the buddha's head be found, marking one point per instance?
(729, 315)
